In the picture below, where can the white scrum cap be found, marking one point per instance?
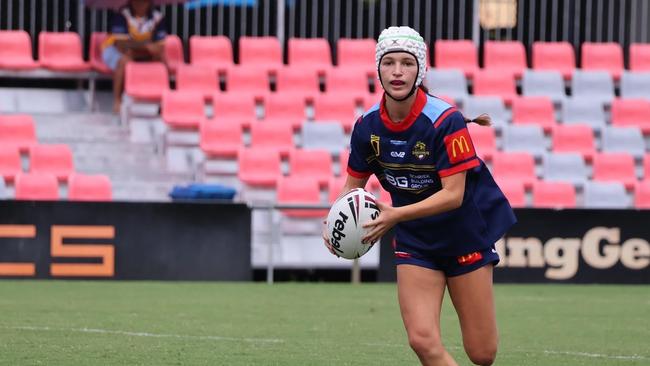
(403, 39)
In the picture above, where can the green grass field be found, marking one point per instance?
(171, 323)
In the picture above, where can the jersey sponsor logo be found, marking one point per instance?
(397, 142)
(420, 150)
(397, 154)
(467, 259)
(459, 146)
(374, 142)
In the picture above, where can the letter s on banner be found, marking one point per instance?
(106, 251)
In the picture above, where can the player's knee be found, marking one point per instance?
(426, 345)
(483, 356)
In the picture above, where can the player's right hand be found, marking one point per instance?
(326, 240)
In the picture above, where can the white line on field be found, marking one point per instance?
(145, 334)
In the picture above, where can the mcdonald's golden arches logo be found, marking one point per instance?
(459, 146)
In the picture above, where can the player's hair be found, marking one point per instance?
(482, 120)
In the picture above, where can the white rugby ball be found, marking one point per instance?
(345, 220)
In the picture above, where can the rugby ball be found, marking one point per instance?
(345, 220)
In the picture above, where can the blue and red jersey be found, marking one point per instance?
(411, 157)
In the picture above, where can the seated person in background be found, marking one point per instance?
(137, 33)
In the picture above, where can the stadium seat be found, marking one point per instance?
(310, 54)
(182, 110)
(554, 56)
(518, 166)
(40, 186)
(448, 82)
(356, 54)
(492, 106)
(54, 159)
(646, 167)
(493, 82)
(343, 157)
(260, 52)
(235, 108)
(555, 195)
(642, 195)
(174, 57)
(584, 111)
(3, 190)
(10, 164)
(606, 195)
(95, 52)
(313, 163)
(635, 85)
(631, 112)
(607, 56)
(457, 54)
(528, 139)
(640, 57)
(347, 82)
(146, 81)
(534, 110)
(17, 130)
(595, 85)
(574, 139)
(221, 139)
(247, 79)
(331, 107)
(272, 136)
(83, 187)
(214, 52)
(335, 187)
(259, 167)
(505, 57)
(543, 84)
(623, 139)
(297, 81)
(197, 79)
(61, 52)
(514, 191)
(323, 135)
(565, 167)
(484, 140)
(615, 167)
(299, 190)
(286, 108)
(16, 51)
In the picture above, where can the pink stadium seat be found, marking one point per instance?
(16, 51)
(574, 138)
(285, 108)
(505, 56)
(248, 79)
(495, 83)
(515, 166)
(344, 156)
(456, 54)
(603, 56)
(61, 52)
(221, 139)
(82, 187)
(646, 167)
(182, 110)
(331, 107)
(272, 136)
(234, 108)
(301, 83)
(17, 130)
(174, 57)
(347, 81)
(146, 81)
(259, 167)
(10, 164)
(316, 164)
(299, 190)
(37, 186)
(632, 112)
(642, 195)
(335, 186)
(554, 56)
(514, 191)
(54, 159)
(214, 52)
(640, 57)
(370, 100)
(260, 52)
(373, 184)
(310, 54)
(484, 140)
(95, 52)
(534, 110)
(554, 195)
(197, 79)
(356, 54)
(384, 197)
(615, 167)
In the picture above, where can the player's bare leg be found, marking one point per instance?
(420, 292)
(118, 83)
(473, 299)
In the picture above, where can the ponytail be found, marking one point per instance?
(482, 120)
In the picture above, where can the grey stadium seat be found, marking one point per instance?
(623, 139)
(3, 189)
(528, 139)
(447, 82)
(493, 106)
(565, 167)
(635, 85)
(584, 111)
(324, 135)
(596, 85)
(606, 195)
(544, 83)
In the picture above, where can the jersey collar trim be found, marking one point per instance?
(416, 109)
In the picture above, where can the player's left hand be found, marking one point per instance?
(388, 217)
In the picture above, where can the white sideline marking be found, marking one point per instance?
(146, 334)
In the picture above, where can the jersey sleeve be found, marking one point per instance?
(359, 153)
(119, 24)
(453, 146)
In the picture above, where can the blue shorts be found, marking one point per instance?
(450, 265)
(111, 56)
